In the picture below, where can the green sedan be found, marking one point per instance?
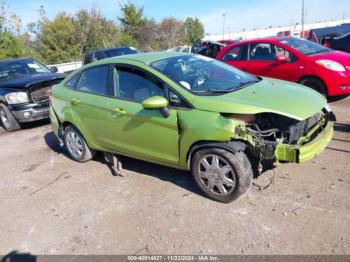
(192, 113)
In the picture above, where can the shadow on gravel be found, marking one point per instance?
(336, 98)
(15, 256)
(180, 178)
(340, 127)
(52, 142)
(337, 149)
(35, 124)
(29, 125)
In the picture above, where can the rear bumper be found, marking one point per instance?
(308, 151)
(31, 112)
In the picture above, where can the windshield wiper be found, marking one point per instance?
(242, 84)
(224, 91)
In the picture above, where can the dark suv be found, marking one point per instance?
(25, 86)
(110, 52)
(341, 43)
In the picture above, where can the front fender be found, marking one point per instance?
(231, 146)
(194, 131)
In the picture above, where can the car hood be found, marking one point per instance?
(26, 81)
(268, 95)
(338, 56)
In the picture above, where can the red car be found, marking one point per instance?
(292, 59)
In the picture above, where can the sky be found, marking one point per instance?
(240, 14)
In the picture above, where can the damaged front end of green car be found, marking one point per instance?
(274, 137)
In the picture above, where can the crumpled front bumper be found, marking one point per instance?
(307, 151)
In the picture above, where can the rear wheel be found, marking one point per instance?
(8, 121)
(314, 83)
(222, 175)
(76, 145)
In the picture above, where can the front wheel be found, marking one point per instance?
(76, 145)
(314, 83)
(222, 175)
(8, 121)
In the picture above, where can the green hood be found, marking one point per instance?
(269, 95)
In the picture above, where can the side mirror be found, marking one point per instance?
(54, 69)
(157, 102)
(281, 59)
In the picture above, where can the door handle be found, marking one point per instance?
(75, 101)
(118, 112)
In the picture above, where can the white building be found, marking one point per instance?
(265, 32)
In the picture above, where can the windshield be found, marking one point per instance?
(304, 46)
(13, 69)
(201, 75)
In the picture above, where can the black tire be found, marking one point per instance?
(315, 84)
(241, 174)
(8, 121)
(78, 151)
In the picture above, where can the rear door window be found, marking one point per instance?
(262, 52)
(95, 80)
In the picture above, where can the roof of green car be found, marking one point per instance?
(145, 58)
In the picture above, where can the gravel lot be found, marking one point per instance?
(53, 205)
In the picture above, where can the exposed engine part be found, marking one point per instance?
(270, 127)
(244, 117)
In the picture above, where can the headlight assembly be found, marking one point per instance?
(331, 65)
(16, 98)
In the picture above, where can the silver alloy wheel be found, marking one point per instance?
(75, 144)
(216, 174)
(4, 119)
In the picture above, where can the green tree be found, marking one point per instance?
(131, 21)
(147, 37)
(3, 18)
(171, 33)
(11, 43)
(11, 46)
(56, 41)
(94, 31)
(193, 29)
